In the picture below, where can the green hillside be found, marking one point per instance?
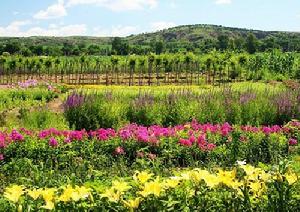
(196, 38)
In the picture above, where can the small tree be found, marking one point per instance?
(251, 43)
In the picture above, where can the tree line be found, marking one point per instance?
(188, 68)
(122, 46)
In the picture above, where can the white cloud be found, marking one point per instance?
(156, 26)
(117, 5)
(223, 2)
(15, 30)
(56, 10)
(115, 31)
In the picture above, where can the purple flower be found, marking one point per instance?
(53, 142)
(74, 100)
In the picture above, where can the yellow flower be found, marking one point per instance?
(34, 194)
(153, 187)
(142, 177)
(120, 186)
(74, 194)
(49, 205)
(83, 192)
(67, 194)
(264, 176)
(14, 193)
(48, 196)
(257, 188)
(212, 181)
(171, 183)
(197, 175)
(132, 204)
(112, 195)
(248, 168)
(291, 178)
(227, 178)
(278, 177)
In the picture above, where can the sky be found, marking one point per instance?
(22, 18)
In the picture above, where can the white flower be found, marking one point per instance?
(241, 163)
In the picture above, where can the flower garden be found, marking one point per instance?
(167, 148)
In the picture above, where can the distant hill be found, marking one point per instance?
(198, 32)
(190, 37)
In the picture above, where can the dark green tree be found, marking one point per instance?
(119, 46)
(251, 43)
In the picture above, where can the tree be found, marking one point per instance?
(26, 52)
(37, 50)
(93, 50)
(119, 46)
(251, 43)
(223, 42)
(12, 47)
(67, 49)
(159, 47)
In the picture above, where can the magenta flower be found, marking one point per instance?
(16, 136)
(192, 139)
(211, 146)
(67, 140)
(125, 134)
(1, 157)
(185, 142)
(53, 142)
(293, 142)
(2, 141)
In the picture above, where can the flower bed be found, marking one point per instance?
(181, 145)
(242, 188)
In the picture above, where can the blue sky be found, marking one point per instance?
(125, 17)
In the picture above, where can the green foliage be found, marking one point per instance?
(250, 106)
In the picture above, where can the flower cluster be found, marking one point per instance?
(193, 135)
(28, 83)
(245, 183)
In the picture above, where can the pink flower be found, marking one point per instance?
(192, 139)
(243, 139)
(267, 130)
(293, 142)
(185, 142)
(210, 146)
(2, 141)
(1, 157)
(140, 154)
(119, 151)
(151, 156)
(67, 140)
(53, 142)
(201, 139)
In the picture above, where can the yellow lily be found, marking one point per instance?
(14, 193)
(35, 193)
(132, 204)
(120, 186)
(291, 178)
(142, 177)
